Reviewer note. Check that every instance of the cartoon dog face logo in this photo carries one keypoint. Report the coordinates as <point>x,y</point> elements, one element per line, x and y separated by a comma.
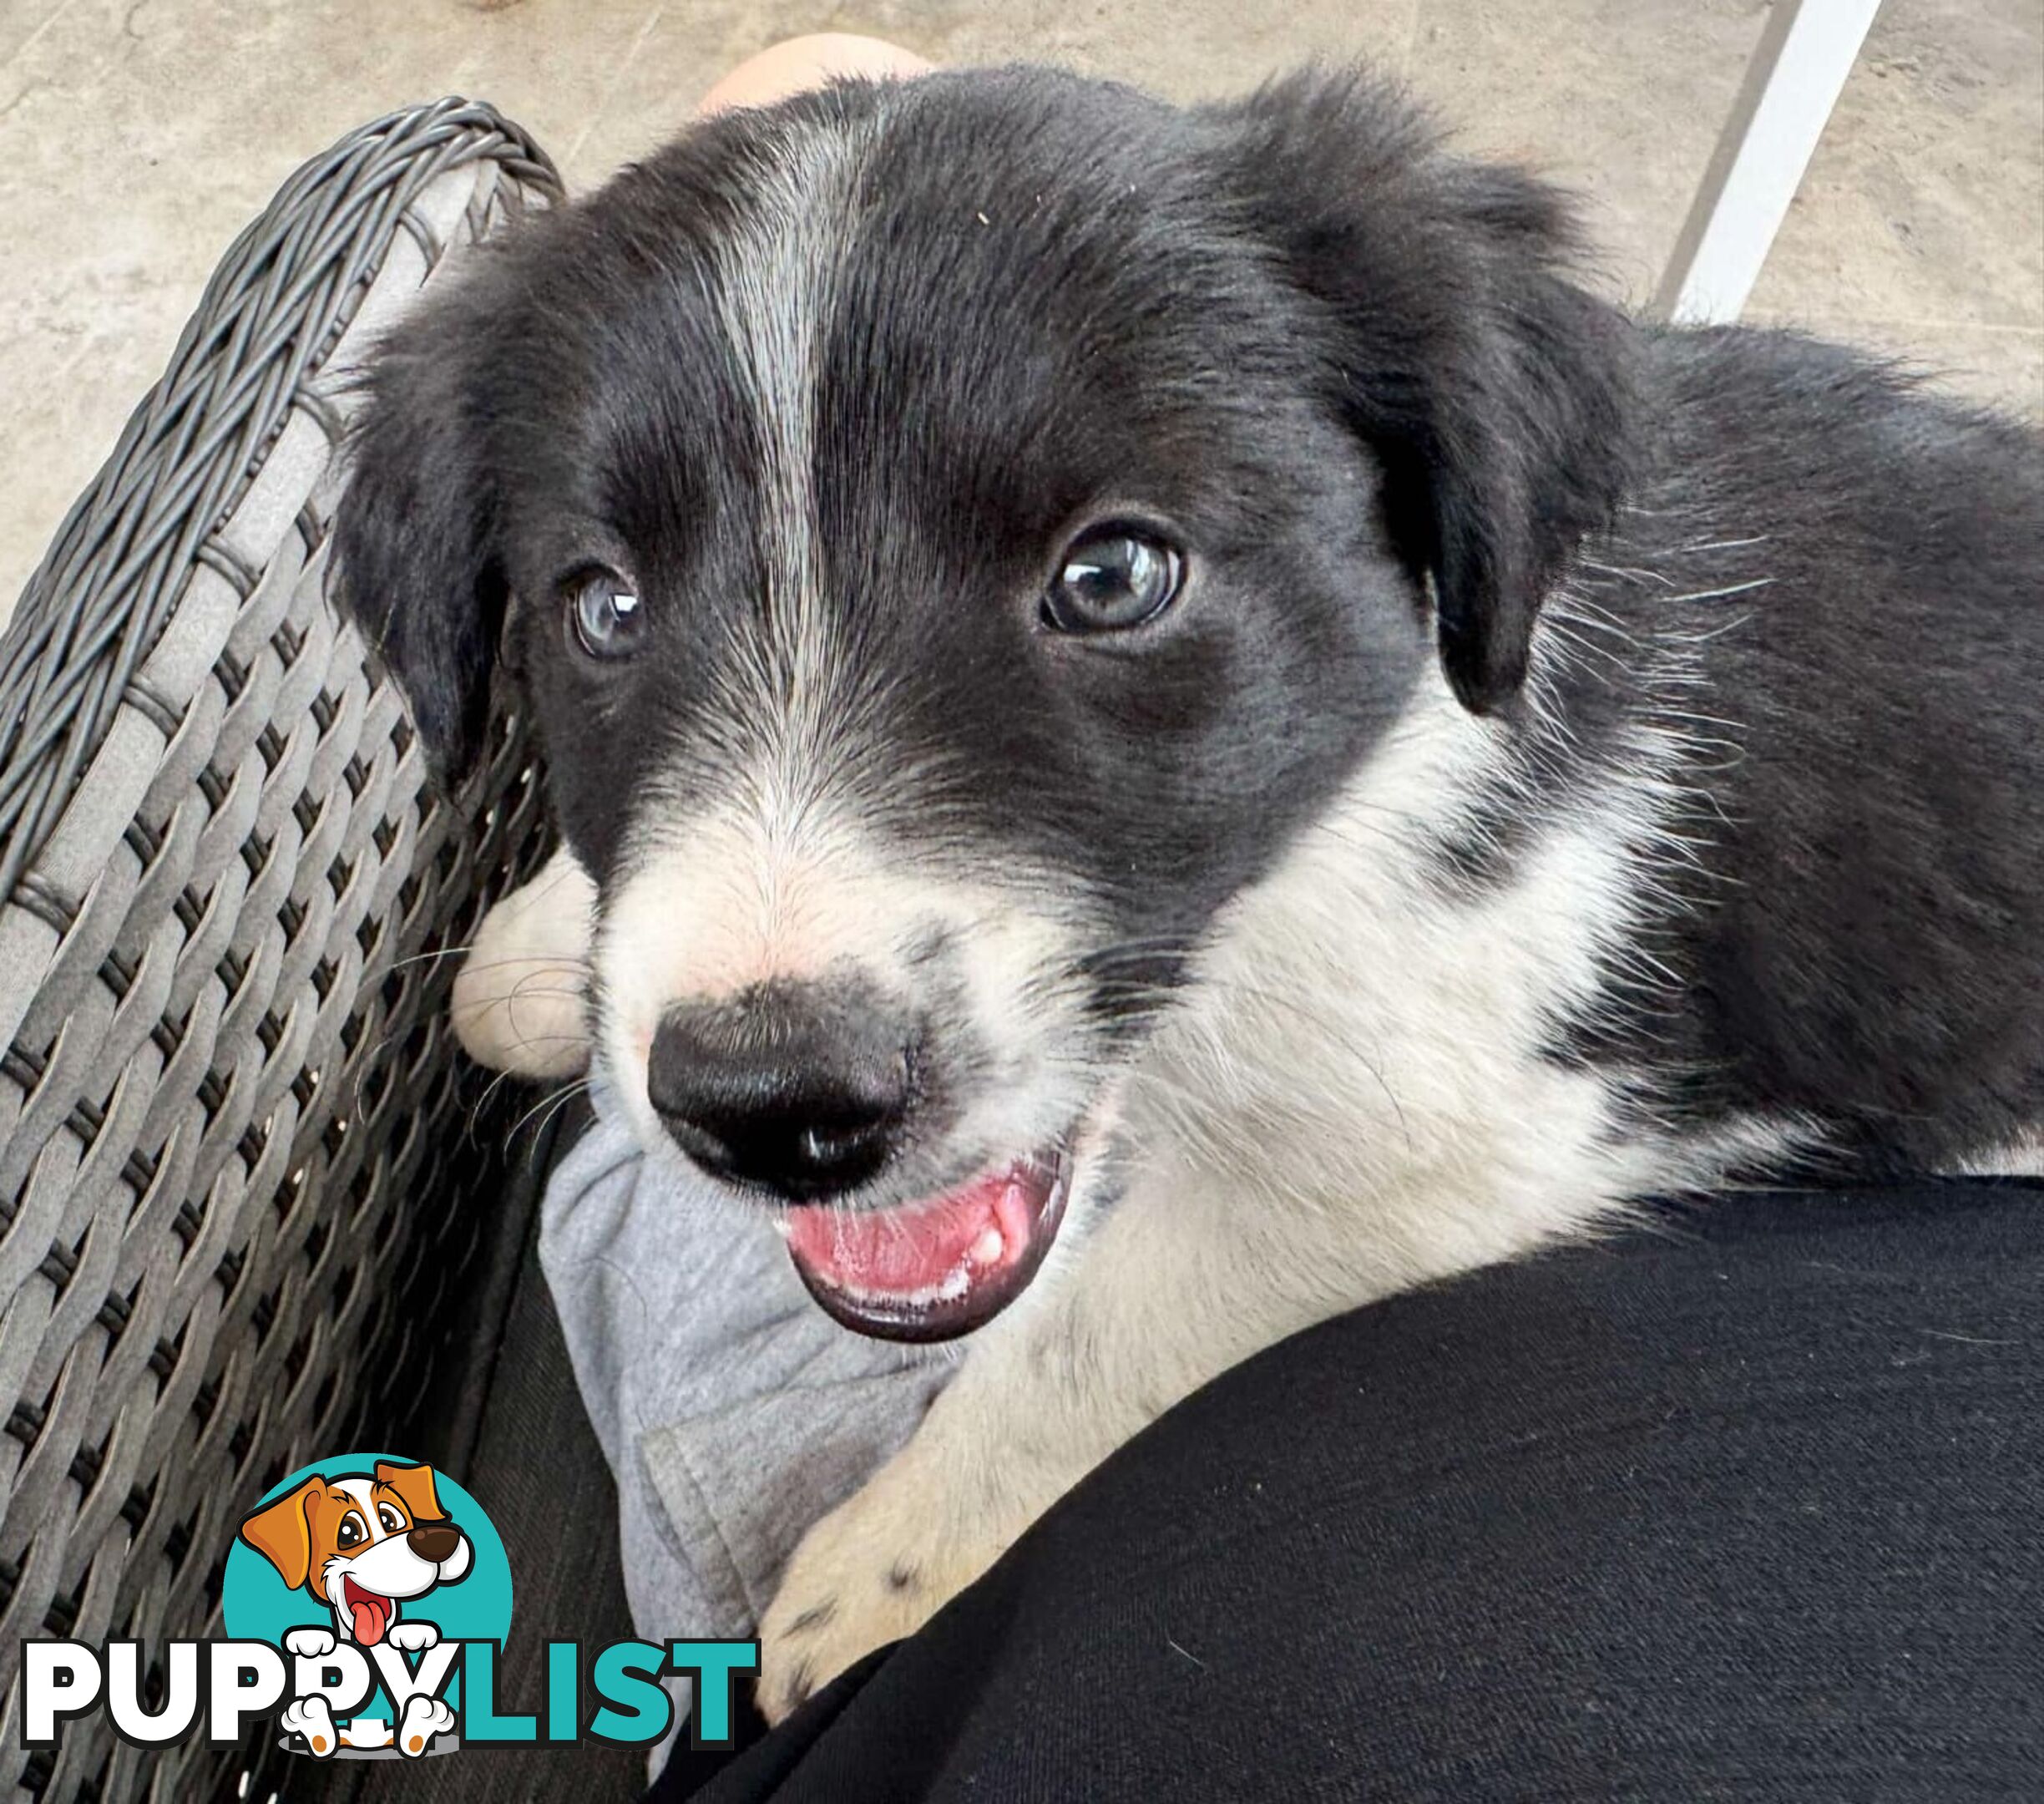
<point>362,1544</point>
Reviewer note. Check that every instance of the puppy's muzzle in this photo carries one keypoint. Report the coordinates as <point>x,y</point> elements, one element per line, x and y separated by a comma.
<point>802,1090</point>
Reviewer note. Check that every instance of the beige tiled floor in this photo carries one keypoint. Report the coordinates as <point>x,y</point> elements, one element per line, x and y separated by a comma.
<point>137,135</point>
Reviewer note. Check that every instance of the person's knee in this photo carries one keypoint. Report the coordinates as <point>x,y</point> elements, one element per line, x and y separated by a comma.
<point>799,63</point>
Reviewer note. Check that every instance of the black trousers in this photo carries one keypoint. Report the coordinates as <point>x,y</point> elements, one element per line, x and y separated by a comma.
<point>1746,1505</point>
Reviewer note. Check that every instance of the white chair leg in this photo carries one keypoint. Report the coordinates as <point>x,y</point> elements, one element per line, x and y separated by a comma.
<point>1806,50</point>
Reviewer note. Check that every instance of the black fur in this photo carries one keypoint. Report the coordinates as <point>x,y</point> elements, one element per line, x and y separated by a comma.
<point>1355,374</point>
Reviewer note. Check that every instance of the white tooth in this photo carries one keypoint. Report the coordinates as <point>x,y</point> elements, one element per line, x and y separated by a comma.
<point>987,1248</point>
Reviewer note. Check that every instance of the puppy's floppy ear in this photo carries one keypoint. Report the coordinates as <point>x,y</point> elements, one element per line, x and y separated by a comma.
<point>414,1486</point>
<point>1494,390</point>
<point>416,535</point>
<point>282,1533</point>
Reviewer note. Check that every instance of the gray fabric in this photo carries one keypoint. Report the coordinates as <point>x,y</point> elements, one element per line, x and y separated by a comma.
<point>732,1411</point>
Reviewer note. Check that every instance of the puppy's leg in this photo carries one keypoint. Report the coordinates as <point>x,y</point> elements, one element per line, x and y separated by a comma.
<point>310,1718</point>
<point>521,1000</point>
<point>1171,1288</point>
<point>424,1718</point>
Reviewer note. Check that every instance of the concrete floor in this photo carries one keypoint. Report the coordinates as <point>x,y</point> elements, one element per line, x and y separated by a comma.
<point>136,136</point>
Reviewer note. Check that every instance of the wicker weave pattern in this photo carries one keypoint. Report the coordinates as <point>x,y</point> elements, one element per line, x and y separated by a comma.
<point>227,1079</point>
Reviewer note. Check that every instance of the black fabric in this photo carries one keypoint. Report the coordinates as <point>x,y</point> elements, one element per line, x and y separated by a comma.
<point>1745,1507</point>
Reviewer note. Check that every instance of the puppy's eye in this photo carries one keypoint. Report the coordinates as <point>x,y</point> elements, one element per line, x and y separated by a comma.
<point>351,1533</point>
<point>390,1520</point>
<point>605,615</point>
<point>1112,578</point>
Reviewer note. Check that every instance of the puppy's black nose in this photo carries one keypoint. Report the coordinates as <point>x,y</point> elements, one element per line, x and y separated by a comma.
<point>800,1089</point>
<point>434,1541</point>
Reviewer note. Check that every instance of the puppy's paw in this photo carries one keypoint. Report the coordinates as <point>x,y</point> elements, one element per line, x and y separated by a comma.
<point>413,1637</point>
<point>521,998</point>
<point>424,1718</point>
<point>310,1718</point>
<point>869,1573</point>
<point>309,1643</point>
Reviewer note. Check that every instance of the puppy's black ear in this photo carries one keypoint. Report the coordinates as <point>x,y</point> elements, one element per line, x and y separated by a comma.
<point>416,544</point>
<point>1494,390</point>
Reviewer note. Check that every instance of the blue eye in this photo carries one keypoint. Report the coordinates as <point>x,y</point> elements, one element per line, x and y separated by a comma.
<point>605,614</point>
<point>1113,578</point>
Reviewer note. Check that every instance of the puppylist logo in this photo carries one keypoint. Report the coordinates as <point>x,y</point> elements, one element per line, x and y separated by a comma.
<point>366,1601</point>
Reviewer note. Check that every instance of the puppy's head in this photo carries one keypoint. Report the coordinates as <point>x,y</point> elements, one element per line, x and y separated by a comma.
<point>952,535</point>
<point>362,1544</point>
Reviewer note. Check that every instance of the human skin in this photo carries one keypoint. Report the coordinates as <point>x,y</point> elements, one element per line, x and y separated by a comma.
<point>799,63</point>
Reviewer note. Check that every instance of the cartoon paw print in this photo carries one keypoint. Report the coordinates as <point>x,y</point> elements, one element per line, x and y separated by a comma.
<point>424,1718</point>
<point>309,1643</point>
<point>413,1637</point>
<point>310,1718</point>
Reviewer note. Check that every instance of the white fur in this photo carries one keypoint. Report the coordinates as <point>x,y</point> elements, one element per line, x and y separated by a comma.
<point>2022,1157</point>
<point>521,998</point>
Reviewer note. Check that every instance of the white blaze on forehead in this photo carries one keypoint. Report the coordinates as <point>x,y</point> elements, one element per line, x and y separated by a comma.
<point>363,1493</point>
<point>776,288</point>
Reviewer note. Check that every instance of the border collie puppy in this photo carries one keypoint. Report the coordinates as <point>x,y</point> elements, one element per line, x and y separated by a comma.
<point>1172,729</point>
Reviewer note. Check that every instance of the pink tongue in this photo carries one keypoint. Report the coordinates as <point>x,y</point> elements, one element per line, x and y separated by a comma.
<point>918,1245</point>
<point>369,1619</point>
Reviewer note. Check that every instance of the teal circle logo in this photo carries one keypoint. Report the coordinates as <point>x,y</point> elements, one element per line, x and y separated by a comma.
<point>373,1551</point>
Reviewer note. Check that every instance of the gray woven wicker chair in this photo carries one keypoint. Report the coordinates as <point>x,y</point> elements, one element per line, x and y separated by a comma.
<point>253,1210</point>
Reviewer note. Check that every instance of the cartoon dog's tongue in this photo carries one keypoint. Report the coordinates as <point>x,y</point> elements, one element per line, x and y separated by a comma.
<point>933,1268</point>
<point>372,1613</point>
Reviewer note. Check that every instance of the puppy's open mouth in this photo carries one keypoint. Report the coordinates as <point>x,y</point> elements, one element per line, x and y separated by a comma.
<point>938,1267</point>
<point>370,1612</point>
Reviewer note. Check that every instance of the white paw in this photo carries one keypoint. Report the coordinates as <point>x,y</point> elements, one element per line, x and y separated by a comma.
<point>424,1718</point>
<point>413,1637</point>
<point>309,1643</point>
<point>871,1572</point>
<point>310,1718</point>
<point>521,996</point>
